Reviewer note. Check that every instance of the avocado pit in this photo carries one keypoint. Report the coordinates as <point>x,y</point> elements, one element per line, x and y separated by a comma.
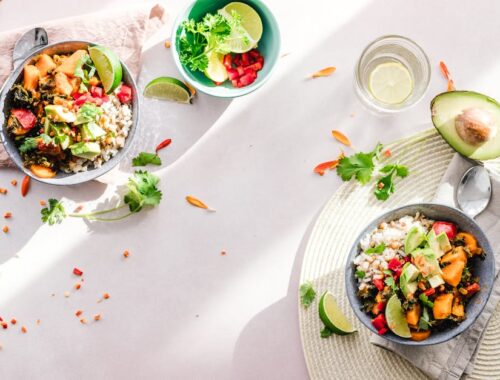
<point>475,126</point>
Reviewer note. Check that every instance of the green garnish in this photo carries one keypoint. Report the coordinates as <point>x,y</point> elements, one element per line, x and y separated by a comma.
<point>426,301</point>
<point>31,143</point>
<point>307,294</point>
<point>378,249</point>
<point>389,281</point>
<point>385,185</point>
<point>326,332</point>
<point>144,159</point>
<point>87,113</point>
<point>84,70</point>
<point>142,192</point>
<point>360,274</point>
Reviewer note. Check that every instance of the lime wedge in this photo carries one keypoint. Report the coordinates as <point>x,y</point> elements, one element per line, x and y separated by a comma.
<point>332,316</point>
<point>108,67</point>
<point>216,70</point>
<point>391,83</point>
<point>396,319</point>
<point>166,88</point>
<point>245,37</point>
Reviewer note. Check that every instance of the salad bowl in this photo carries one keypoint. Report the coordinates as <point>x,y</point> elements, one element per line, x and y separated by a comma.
<point>269,47</point>
<point>483,269</point>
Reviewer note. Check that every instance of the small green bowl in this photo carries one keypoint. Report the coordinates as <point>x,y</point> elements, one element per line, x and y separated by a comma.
<point>269,46</point>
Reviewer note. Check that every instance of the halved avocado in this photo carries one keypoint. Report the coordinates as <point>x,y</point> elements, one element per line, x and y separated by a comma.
<point>469,122</point>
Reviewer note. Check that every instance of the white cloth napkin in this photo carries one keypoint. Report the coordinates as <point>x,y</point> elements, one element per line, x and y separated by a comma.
<point>452,359</point>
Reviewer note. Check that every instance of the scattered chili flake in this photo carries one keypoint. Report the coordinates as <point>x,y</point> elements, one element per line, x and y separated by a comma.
<point>126,253</point>
<point>78,286</point>
<point>387,153</point>
<point>13,321</point>
<point>24,329</point>
<point>83,321</point>
<point>380,185</point>
<point>4,325</point>
<point>163,144</point>
<point>1,319</point>
<point>78,313</point>
<point>329,165</point>
<point>7,215</point>
<point>77,272</point>
<point>14,182</point>
<point>25,186</point>
<point>97,317</point>
<point>192,90</point>
<point>66,294</point>
<point>105,296</point>
<point>38,322</point>
<point>5,229</point>
<point>168,44</point>
<point>446,74</point>
<point>3,190</point>
<point>223,253</point>
<point>197,203</point>
<point>340,137</point>
<point>42,203</point>
<point>78,209</point>
<point>326,72</point>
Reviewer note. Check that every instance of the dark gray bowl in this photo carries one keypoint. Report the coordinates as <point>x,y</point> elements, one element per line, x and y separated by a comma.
<point>484,269</point>
<point>61,177</point>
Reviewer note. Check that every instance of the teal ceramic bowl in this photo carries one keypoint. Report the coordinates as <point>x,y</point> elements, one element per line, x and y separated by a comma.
<point>269,46</point>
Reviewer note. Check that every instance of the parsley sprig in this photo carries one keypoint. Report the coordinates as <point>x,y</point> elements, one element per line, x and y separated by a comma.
<point>364,166</point>
<point>143,191</point>
<point>307,294</point>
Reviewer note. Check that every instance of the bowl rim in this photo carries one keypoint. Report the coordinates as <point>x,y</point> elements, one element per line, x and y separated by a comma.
<point>181,16</point>
<point>72,178</point>
<point>352,297</point>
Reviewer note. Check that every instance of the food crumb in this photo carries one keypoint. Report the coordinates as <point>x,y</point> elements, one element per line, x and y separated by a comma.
<point>105,296</point>
<point>223,253</point>
<point>78,313</point>
<point>352,114</point>
<point>13,321</point>
<point>14,182</point>
<point>66,294</point>
<point>7,215</point>
<point>3,190</point>
<point>168,44</point>
<point>78,209</point>
<point>97,317</point>
<point>42,202</point>
<point>83,321</point>
<point>24,329</point>
<point>4,325</point>
<point>5,229</point>
<point>78,286</point>
<point>38,322</point>
<point>77,272</point>
<point>126,253</point>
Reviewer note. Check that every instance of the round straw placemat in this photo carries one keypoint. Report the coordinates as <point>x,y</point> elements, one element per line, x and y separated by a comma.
<point>342,219</point>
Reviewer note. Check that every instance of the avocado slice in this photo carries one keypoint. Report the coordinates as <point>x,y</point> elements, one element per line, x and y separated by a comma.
<point>435,280</point>
<point>91,131</point>
<point>58,113</point>
<point>408,279</point>
<point>426,262</point>
<point>414,238</point>
<point>439,244</point>
<point>86,150</point>
<point>469,122</point>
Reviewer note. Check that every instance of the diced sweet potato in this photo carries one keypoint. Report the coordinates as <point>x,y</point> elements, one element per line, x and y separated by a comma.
<point>458,308</point>
<point>94,81</point>
<point>42,171</point>
<point>75,82</point>
<point>31,77</point>
<point>418,336</point>
<point>442,306</point>
<point>63,85</point>
<point>45,64</point>
<point>68,66</point>
<point>452,273</point>
<point>458,254</point>
<point>469,240</point>
<point>413,315</point>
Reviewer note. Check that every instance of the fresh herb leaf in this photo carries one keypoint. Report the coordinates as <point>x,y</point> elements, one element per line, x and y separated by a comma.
<point>426,301</point>
<point>385,185</point>
<point>142,191</point>
<point>53,213</point>
<point>144,159</point>
<point>87,113</point>
<point>360,274</point>
<point>31,143</point>
<point>326,332</point>
<point>359,165</point>
<point>424,322</point>
<point>389,281</point>
<point>84,70</point>
<point>307,294</point>
<point>378,249</point>
<point>402,171</point>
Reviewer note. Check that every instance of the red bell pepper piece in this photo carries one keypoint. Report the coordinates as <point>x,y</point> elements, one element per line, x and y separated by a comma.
<point>125,94</point>
<point>379,284</point>
<point>96,92</point>
<point>77,272</point>
<point>25,117</point>
<point>430,292</point>
<point>228,61</point>
<point>380,324</point>
<point>449,229</point>
<point>473,289</point>
<point>394,264</point>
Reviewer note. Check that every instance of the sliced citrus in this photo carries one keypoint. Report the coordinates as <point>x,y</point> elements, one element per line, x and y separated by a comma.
<point>166,88</point>
<point>332,316</point>
<point>108,67</point>
<point>247,35</point>
<point>391,83</point>
<point>216,70</point>
<point>396,318</point>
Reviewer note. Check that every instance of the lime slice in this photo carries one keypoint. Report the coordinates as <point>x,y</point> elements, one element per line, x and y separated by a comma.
<point>108,67</point>
<point>216,70</point>
<point>396,319</point>
<point>166,88</point>
<point>391,83</point>
<point>332,316</point>
<point>245,37</point>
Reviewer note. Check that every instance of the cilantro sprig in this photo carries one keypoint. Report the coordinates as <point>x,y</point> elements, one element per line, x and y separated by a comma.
<point>145,158</point>
<point>143,191</point>
<point>307,294</point>
<point>364,166</point>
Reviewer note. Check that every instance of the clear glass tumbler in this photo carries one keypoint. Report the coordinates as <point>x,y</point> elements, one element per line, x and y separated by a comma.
<point>397,49</point>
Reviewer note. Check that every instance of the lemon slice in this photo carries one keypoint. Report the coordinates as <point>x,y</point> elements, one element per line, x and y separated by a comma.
<point>247,36</point>
<point>216,70</point>
<point>391,83</point>
<point>332,316</point>
<point>396,319</point>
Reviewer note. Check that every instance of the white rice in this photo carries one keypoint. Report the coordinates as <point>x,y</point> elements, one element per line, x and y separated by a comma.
<point>116,120</point>
<point>393,235</point>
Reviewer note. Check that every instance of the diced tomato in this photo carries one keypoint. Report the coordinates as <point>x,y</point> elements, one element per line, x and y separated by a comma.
<point>235,83</point>
<point>473,289</point>
<point>245,59</point>
<point>449,229</point>
<point>394,264</point>
<point>232,73</point>
<point>237,60</point>
<point>407,259</point>
<point>380,324</point>
<point>379,284</point>
<point>381,306</point>
<point>96,92</point>
<point>254,53</point>
<point>240,70</point>
<point>125,94</point>
<point>25,117</point>
<point>228,61</point>
<point>397,273</point>
<point>247,79</point>
<point>257,66</point>
<point>77,272</point>
<point>430,292</point>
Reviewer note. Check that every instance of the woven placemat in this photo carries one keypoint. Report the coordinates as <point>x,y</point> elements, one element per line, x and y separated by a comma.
<point>342,219</point>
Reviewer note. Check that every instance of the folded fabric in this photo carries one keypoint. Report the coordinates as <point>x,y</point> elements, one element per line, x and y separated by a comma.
<point>452,359</point>
<point>124,31</point>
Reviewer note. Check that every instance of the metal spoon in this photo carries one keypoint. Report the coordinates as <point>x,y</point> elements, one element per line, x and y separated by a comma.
<point>474,191</point>
<point>27,43</point>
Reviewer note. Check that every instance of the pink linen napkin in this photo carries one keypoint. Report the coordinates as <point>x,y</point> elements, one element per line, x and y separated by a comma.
<point>124,31</point>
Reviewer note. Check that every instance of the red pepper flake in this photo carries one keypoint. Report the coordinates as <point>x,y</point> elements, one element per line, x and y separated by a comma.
<point>3,190</point>
<point>105,296</point>
<point>42,203</point>
<point>78,286</point>
<point>380,185</point>
<point>13,321</point>
<point>126,253</point>
<point>163,144</point>
<point>446,74</point>
<point>387,153</point>
<point>329,165</point>
<point>25,185</point>
<point>4,325</point>
<point>77,272</point>
<point>24,329</point>
<point>78,313</point>
<point>5,229</point>
<point>97,317</point>
<point>7,215</point>
<point>78,209</point>
<point>13,182</point>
